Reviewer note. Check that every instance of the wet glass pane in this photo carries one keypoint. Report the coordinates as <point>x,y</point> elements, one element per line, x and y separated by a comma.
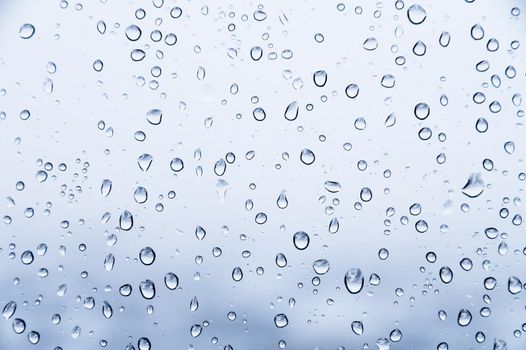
<point>274,175</point>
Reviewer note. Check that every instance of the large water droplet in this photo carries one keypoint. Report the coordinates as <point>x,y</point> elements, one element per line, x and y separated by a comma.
<point>307,156</point>
<point>126,220</point>
<point>26,31</point>
<point>301,240</point>
<point>281,320</point>
<point>154,116</point>
<point>354,280</point>
<point>291,112</point>
<point>147,289</point>
<point>133,32</point>
<point>321,266</point>
<point>416,14</point>
<point>147,256</point>
<point>464,318</point>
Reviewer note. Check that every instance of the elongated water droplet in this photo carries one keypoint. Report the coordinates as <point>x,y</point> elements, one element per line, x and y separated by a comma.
<point>109,262</point>
<point>126,220</point>
<point>292,110</point>
<point>320,78</point>
<point>200,233</point>
<point>9,310</point>
<point>237,274</point>
<point>354,280</point>
<point>446,275</point>
<point>334,225</point>
<point>282,201</point>
<point>220,167</point>
<point>171,281</point>
<point>107,311</point>
<point>105,188</point>
<point>147,289</point>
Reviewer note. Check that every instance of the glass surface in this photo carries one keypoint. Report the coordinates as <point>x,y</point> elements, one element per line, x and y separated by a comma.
<point>275,175</point>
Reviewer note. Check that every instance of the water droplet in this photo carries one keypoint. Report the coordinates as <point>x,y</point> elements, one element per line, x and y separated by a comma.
<point>105,188</point>
<point>282,201</point>
<point>357,327</point>
<point>291,112</point>
<point>332,186</point>
<point>9,310</point>
<point>370,44</point>
<point>320,78</point>
<point>256,53</point>
<point>177,164</point>
<point>464,318</point>
<point>107,311</point>
<point>144,161</point>
<point>27,257</point>
<point>474,187</point>
<point>352,90</point>
<point>354,280</point>
<point>26,31</point>
<point>154,116</point>
<point>140,195</point>
<point>200,233</point>
<point>388,81</point>
<point>259,114</point>
<point>321,266</point>
<point>422,111</point>
<point>307,156</point>
<point>237,274</point>
<point>33,337</point>
<point>260,15</point>
<point>514,285</point>
<point>126,220</point>
<point>281,320</point>
<point>416,14</point>
<point>281,260</point>
<point>301,240</point>
<point>19,326</point>
<point>147,256</point>
<point>366,194</point>
<point>133,32</point>
<point>196,330</point>
<point>147,289</point>
<point>144,344</point>
<point>171,281</point>
<point>446,275</point>
<point>137,55</point>
<point>477,32</point>
<point>220,167</point>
